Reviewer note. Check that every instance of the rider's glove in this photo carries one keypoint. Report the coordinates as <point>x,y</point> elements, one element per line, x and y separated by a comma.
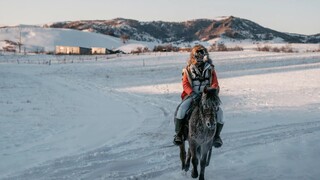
<point>195,96</point>
<point>211,90</point>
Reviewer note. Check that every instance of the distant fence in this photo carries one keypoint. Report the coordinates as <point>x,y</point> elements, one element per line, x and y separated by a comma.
<point>54,59</point>
<point>67,59</point>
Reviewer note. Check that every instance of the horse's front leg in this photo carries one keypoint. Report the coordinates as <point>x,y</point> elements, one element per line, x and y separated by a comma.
<point>209,156</point>
<point>183,156</point>
<point>188,160</point>
<point>194,160</point>
<point>203,164</point>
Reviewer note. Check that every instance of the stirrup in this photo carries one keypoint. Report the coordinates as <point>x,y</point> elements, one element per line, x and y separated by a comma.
<point>217,142</point>
<point>177,140</point>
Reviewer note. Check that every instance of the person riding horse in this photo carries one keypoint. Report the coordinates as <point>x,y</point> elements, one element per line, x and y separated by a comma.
<point>197,77</point>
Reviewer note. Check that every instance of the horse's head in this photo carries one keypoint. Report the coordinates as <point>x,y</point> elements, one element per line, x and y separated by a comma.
<point>209,105</point>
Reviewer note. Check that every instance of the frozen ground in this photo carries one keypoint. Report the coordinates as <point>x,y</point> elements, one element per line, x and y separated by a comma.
<point>112,118</point>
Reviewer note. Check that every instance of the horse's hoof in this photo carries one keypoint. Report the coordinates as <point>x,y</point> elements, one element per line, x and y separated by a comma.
<point>201,177</point>
<point>183,167</point>
<point>194,174</point>
<point>186,168</point>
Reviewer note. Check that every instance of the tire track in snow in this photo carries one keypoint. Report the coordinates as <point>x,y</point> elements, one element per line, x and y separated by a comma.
<point>269,135</point>
<point>243,140</point>
<point>105,163</point>
<point>69,165</point>
<point>143,156</point>
<point>116,161</point>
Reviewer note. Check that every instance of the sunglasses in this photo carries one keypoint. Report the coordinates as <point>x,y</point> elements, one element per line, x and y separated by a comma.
<point>200,54</point>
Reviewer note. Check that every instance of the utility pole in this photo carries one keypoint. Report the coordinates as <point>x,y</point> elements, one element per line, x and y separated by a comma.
<point>20,39</point>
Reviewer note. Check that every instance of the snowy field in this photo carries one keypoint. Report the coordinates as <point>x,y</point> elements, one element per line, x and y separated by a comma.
<point>112,118</point>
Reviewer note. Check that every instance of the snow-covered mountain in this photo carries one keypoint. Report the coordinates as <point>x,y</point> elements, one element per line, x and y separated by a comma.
<point>110,34</point>
<point>35,38</point>
<point>199,29</point>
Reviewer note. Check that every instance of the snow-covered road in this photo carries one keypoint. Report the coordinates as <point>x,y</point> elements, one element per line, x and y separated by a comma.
<point>112,119</point>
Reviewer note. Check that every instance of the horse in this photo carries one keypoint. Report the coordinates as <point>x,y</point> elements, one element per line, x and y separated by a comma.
<point>200,132</point>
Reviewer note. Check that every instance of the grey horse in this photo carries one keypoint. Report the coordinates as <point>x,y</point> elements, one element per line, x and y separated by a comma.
<point>201,130</point>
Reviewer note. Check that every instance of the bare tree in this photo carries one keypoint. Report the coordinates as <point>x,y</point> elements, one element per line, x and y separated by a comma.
<point>124,38</point>
<point>145,49</point>
<point>213,47</point>
<point>222,47</point>
<point>20,39</point>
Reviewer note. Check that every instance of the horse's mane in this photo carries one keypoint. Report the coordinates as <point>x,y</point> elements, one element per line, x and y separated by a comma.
<point>210,100</point>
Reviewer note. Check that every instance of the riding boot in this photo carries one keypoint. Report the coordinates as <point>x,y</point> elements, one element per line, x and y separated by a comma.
<point>217,141</point>
<point>179,131</point>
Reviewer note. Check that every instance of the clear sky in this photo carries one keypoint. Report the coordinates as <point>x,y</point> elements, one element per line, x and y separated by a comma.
<point>296,16</point>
